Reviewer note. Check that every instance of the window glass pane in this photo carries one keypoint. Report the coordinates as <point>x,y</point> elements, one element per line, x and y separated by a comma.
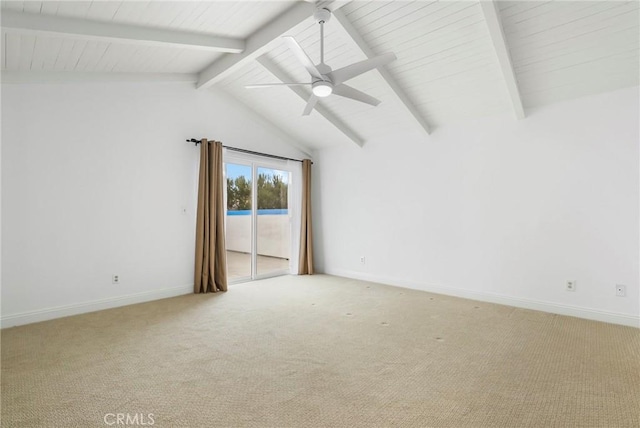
<point>273,230</point>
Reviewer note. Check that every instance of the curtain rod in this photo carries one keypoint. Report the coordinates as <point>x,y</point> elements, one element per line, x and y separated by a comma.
<point>236,149</point>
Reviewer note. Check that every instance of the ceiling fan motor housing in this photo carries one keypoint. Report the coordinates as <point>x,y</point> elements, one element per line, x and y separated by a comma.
<point>324,69</point>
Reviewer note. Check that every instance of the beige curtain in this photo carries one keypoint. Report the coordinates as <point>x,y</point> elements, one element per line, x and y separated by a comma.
<point>211,257</point>
<point>305,266</point>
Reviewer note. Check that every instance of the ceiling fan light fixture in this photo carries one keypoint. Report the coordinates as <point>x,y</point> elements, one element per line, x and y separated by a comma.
<point>322,89</point>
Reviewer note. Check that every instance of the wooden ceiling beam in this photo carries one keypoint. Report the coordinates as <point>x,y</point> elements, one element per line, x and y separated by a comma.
<point>30,23</point>
<point>257,44</point>
<point>351,35</point>
<point>90,76</point>
<point>492,19</point>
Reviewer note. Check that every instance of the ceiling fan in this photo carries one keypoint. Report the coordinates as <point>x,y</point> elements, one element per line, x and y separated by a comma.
<point>324,80</point>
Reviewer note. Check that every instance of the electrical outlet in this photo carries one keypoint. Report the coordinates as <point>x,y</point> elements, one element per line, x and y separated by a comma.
<point>115,279</point>
<point>571,285</point>
<point>621,290</point>
<point>362,260</point>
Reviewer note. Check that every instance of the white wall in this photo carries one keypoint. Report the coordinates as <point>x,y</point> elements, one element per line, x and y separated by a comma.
<point>497,209</point>
<point>94,181</point>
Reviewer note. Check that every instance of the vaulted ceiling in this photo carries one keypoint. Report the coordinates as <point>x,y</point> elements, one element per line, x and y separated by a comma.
<point>456,60</point>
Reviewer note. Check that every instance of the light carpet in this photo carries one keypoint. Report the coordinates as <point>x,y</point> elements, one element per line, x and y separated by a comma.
<point>321,351</point>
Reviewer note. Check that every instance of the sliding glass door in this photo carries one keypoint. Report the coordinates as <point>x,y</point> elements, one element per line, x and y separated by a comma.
<point>273,229</point>
<point>258,224</point>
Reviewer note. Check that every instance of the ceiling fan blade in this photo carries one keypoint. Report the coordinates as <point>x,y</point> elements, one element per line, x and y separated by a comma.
<point>349,72</point>
<point>269,85</point>
<point>302,56</point>
<point>313,100</point>
<point>349,92</point>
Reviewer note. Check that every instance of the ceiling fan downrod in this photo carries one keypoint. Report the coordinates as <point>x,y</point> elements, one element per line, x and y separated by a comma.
<point>322,15</point>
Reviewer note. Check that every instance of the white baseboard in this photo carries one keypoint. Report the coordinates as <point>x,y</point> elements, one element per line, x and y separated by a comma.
<point>96,305</point>
<point>113,302</point>
<point>554,308</point>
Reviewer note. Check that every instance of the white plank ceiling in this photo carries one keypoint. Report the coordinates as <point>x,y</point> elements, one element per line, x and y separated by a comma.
<point>564,50</point>
<point>29,52</point>
<point>448,68</point>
